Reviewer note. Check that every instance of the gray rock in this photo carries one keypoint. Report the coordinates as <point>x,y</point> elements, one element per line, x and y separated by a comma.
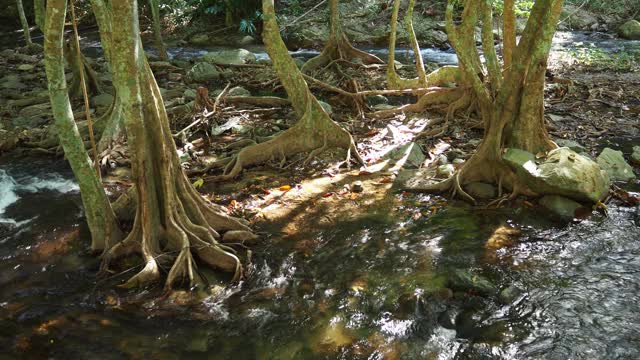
<point>446,171</point>
<point>12,81</point>
<point>199,39</point>
<point>613,163</point>
<point>247,40</point>
<point>465,280</point>
<point>509,294</point>
<point>102,100</point>
<point>630,30</point>
<point>202,72</point>
<point>383,107</point>
<point>29,122</point>
<point>26,67</point>
<point>458,161</point>
<point>443,160</point>
<point>561,206</point>
<point>573,145</point>
<point>326,107</point>
<point>564,172</point>
<point>230,57</point>
<point>239,91</point>
<point>190,94</point>
<point>635,156</point>
<point>578,18</point>
<point>41,110</point>
<point>480,190</point>
<point>374,100</point>
<point>409,155</point>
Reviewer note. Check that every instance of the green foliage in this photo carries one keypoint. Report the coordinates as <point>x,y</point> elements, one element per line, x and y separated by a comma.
<point>593,58</point>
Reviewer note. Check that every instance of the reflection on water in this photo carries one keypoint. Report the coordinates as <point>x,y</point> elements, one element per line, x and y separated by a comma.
<point>464,283</point>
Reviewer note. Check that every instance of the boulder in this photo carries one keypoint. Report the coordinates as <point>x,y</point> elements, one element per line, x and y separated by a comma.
<point>573,145</point>
<point>563,172</point>
<point>11,81</point>
<point>230,57</point>
<point>409,155</point>
<point>630,30</point>
<point>465,280</point>
<point>446,170</point>
<point>202,72</point>
<point>326,107</point>
<point>578,18</point>
<point>190,94</point>
<point>102,100</point>
<point>247,40</point>
<point>26,67</point>
<point>560,206</point>
<point>480,190</point>
<point>239,91</point>
<point>635,156</point>
<point>199,39</point>
<point>613,163</point>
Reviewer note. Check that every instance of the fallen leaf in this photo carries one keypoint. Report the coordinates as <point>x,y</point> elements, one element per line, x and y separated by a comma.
<point>198,183</point>
<point>364,173</point>
<point>326,195</point>
<point>386,180</point>
<point>285,188</point>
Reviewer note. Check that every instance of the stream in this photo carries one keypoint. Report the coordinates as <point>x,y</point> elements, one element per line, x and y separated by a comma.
<point>385,286</point>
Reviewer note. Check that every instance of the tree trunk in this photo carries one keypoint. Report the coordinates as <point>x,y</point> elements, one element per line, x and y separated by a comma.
<point>100,217</point>
<point>39,12</point>
<point>338,45</point>
<point>509,32</point>
<point>24,22</point>
<point>91,78</point>
<point>394,81</point>
<point>157,29</point>
<point>228,13</point>
<point>173,222</point>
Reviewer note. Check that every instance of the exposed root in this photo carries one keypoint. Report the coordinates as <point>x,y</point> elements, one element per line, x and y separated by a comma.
<point>339,48</point>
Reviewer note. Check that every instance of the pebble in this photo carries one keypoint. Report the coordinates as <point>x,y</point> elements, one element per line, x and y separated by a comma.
<point>357,187</point>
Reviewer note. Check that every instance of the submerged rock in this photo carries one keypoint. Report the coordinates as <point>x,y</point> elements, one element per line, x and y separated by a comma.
<point>203,72</point>
<point>630,30</point>
<point>564,172</point>
<point>465,280</point>
<point>561,206</point>
<point>613,163</point>
<point>230,57</point>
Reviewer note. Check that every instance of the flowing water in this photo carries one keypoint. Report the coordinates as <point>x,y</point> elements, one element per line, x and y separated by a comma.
<point>444,286</point>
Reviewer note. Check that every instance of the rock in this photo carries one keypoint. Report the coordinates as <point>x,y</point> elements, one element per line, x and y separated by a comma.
<point>397,64</point>
<point>561,206</point>
<point>409,155</point>
<point>8,140</point>
<point>443,160</point>
<point>446,171</point>
<point>300,62</point>
<point>240,236</point>
<point>383,107</point>
<point>26,67</point>
<point>190,94</point>
<point>202,72</point>
<point>458,161</point>
<point>480,190</point>
<point>635,156</point>
<point>247,40</point>
<point>264,61</point>
<point>578,18</point>
<point>41,110</point>
<point>12,81</point>
<point>393,134</point>
<point>102,100</point>
<point>357,187</point>
<point>573,145</point>
<point>374,100</point>
<point>630,30</point>
<point>29,122</point>
<point>509,294</point>
<point>326,107</point>
<point>614,164</point>
<point>199,39</point>
<point>563,172</point>
<point>230,57</point>
<point>465,280</point>
<point>239,91</point>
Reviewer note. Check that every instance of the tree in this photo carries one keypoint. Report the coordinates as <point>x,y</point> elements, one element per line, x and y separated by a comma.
<point>338,45</point>
<point>24,22</point>
<point>314,132</point>
<point>394,81</point>
<point>101,219</point>
<point>173,222</point>
<point>157,29</point>
<point>510,100</point>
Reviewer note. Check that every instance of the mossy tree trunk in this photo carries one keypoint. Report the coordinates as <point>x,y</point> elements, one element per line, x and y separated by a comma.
<point>94,87</point>
<point>173,223</point>
<point>39,12</point>
<point>509,32</point>
<point>157,29</point>
<point>338,45</point>
<point>394,81</point>
<point>314,132</point>
<point>24,22</point>
<point>102,222</point>
<point>511,104</point>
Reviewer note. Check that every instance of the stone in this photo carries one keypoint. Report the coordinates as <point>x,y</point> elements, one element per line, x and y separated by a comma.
<point>443,160</point>
<point>202,72</point>
<point>563,172</point>
<point>26,67</point>
<point>230,57</point>
<point>199,39</point>
<point>190,94</point>
<point>509,294</point>
<point>374,100</point>
<point>239,91</point>
<point>408,156</point>
<point>357,187</point>
<point>102,100</point>
<point>573,145</point>
<point>635,156</point>
<point>12,81</point>
<point>465,280</point>
<point>300,62</point>
<point>480,190</point>
<point>247,40</point>
<point>613,163</point>
<point>264,61</point>
<point>446,171</point>
<point>326,107</point>
<point>383,107</point>
<point>458,161</point>
<point>36,110</point>
<point>561,206</point>
<point>29,122</point>
<point>630,30</point>
<point>578,18</point>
